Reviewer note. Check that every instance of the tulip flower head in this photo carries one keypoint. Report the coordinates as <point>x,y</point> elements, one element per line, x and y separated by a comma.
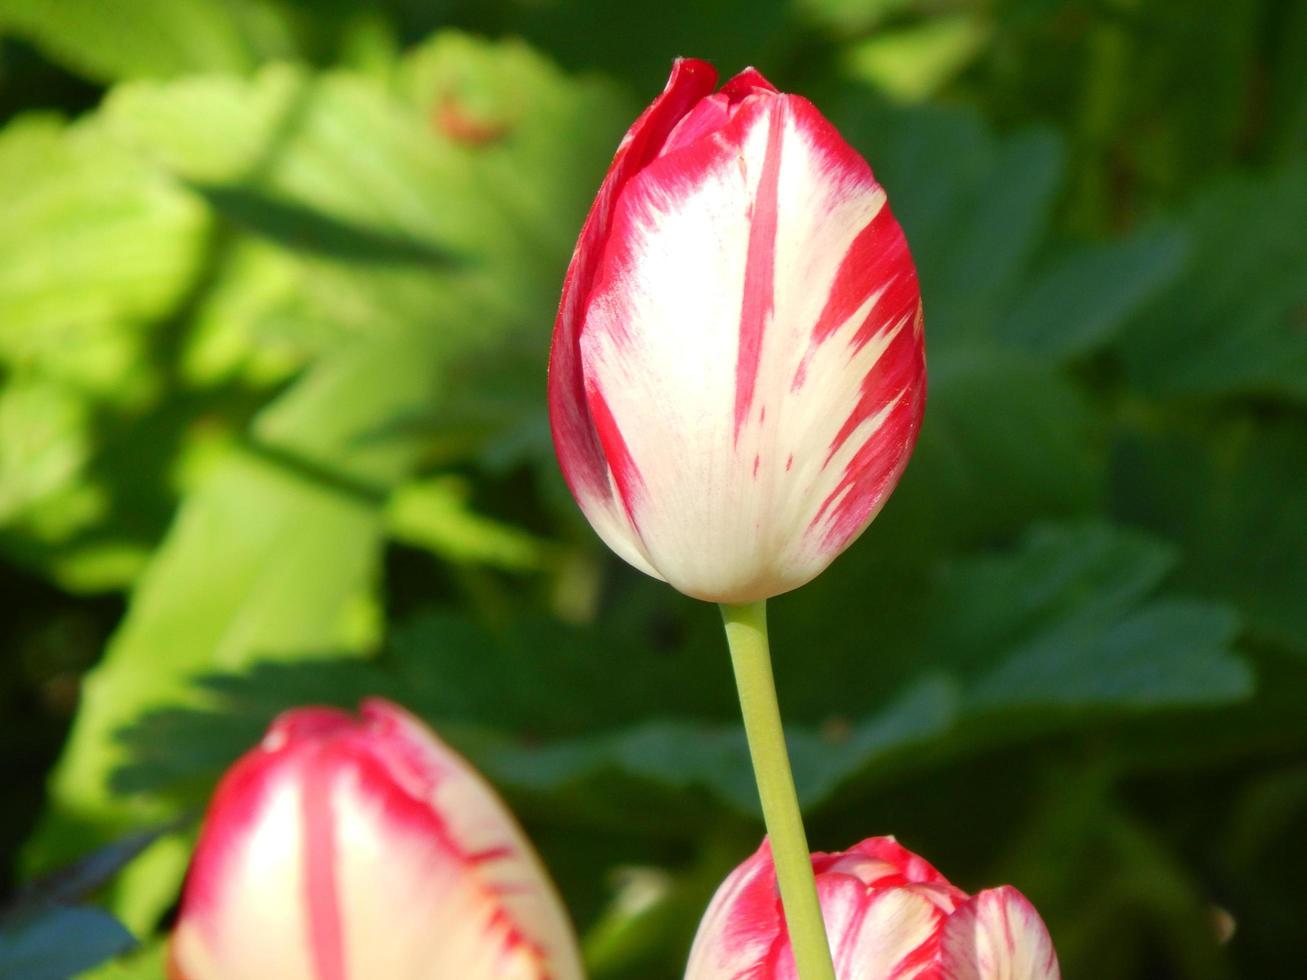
<point>889,916</point>
<point>737,376</point>
<point>359,849</point>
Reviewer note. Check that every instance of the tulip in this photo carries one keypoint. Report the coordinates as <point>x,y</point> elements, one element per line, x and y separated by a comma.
<point>361,849</point>
<point>737,375</point>
<point>890,916</point>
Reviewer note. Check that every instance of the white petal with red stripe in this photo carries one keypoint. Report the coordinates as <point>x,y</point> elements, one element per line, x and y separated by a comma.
<point>579,454</point>
<point>997,935</point>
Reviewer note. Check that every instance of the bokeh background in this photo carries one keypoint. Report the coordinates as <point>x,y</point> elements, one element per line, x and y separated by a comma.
<point>277,280</point>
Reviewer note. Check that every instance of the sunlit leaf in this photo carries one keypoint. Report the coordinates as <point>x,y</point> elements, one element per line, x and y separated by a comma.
<point>153,38</point>
<point>275,552</point>
<point>913,62</point>
<point>433,514</point>
<point>94,248</point>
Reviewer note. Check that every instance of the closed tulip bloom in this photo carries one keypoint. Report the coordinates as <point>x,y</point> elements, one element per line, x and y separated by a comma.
<point>362,849</point>
<point>738,373</point>
<point>889,916</point>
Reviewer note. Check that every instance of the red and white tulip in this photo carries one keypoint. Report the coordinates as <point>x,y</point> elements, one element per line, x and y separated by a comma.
<point>355,849</point>
<point>738,371</point>
<point>889,916</point>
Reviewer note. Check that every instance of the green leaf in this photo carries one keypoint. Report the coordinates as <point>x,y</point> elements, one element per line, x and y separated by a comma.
<point>1217,488</point>
<point>1065,622</point>
<point>59,943</point>
<point>914,62</point>
<point>44,444</point>
<point>1236,321</point>
<point>636,41</point>
<point>148,962</point>
<point>850,15</point>
<point>77,882</point>
<point>606,775</point>
<point>96,249</point>
<point>1175,652</point>
<point>1080,300</point>
<point>1058,632</point>
<point>433,514</point>
<point>1093,573</point>
<point>973,266</point>
<point>155,38</point>
<point>612,674</point>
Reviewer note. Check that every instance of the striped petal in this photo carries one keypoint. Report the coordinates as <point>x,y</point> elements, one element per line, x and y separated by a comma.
<point>579,455</point>
<point>751,352</point>
<point>740,928</point>
<point>893,935</point>
<point>997,935</point>
<point>346,850</point>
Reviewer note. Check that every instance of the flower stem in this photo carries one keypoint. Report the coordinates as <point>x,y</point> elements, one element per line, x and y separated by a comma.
<point>746,634</point>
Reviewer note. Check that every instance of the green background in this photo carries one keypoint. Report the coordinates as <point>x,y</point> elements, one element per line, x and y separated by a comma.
<point>277,280</point>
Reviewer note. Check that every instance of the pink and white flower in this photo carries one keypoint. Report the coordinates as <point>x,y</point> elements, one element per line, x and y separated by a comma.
<point>738,372</point>
<point>354,849</point>
<point>889,916</point>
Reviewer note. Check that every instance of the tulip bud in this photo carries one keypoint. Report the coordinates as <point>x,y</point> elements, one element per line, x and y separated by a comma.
<point>889,916</point>
<point>357,849</point>
<point>738,370</point>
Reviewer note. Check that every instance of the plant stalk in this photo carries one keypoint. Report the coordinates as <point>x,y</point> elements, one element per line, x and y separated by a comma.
<point>746,635</point>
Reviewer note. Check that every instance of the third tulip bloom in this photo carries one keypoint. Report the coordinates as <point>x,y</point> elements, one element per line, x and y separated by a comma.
<point>738,370</point>
<point>890,916</point>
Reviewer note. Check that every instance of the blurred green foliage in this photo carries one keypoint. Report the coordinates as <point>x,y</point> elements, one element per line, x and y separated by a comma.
<point>277,280</point>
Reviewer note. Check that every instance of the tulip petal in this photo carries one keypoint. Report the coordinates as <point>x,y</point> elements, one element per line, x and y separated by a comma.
<point>997,935</point>
<point>579,453</point>
<point>882,862</point>
<point>343,851</point>
<point>892,934</point>
<point>746,83</point>
<point>739,929</point>
<point>756,289</point>
<point>242,908</point>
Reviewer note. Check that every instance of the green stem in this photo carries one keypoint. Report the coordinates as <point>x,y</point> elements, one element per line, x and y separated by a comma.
<point>746,634</point>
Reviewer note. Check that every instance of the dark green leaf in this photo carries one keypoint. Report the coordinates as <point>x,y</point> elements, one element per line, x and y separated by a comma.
<point>1236,320</point>
<point>1078,301</point>
<point>1218,491</point>
<point>59,943</point>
